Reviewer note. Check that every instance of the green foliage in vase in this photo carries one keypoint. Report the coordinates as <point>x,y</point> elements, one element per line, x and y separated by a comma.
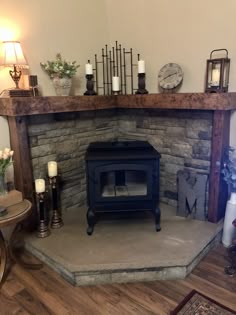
<point>5,159</point>
<point>229,167</point>
<point>60,68</point>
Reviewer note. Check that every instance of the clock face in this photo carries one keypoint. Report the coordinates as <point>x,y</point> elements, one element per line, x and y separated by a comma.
<point>170,76</point>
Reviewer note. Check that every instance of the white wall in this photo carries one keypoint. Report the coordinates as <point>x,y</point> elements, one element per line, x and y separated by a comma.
<point>183,31</point>
<point>75,28</point>
<point>162,31</point>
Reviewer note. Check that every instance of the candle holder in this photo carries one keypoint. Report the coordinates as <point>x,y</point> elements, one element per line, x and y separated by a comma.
<point>90,85</point>
<point>56,222</point>
<point>116,92</point>
<point>141,84</point>
<point>42,230</point>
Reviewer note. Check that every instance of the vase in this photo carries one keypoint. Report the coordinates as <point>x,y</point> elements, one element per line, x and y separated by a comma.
<point>3,186</point>
<point>62,86</point>
<point>230,215</point>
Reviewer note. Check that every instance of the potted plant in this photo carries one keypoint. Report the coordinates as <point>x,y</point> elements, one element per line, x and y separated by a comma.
<point>5,161</point>
<point>229,168</point>
<point>61,73</point>
<point>229,175</point>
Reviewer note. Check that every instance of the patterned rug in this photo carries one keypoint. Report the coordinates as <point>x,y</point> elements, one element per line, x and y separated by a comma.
<point>196,303</point>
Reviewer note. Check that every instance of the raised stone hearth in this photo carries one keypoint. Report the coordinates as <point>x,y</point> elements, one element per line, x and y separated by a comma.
<point>125,251</point>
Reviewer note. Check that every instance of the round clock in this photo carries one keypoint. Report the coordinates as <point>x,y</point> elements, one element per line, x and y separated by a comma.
<point>170,76</point>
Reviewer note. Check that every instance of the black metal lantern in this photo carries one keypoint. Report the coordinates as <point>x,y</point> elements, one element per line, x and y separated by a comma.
<point>217,73</point>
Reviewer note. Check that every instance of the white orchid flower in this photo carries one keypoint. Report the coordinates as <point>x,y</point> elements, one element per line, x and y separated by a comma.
<point>6,150</point>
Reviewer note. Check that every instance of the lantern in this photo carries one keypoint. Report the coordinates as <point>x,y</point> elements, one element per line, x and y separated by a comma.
<point>217,73</point>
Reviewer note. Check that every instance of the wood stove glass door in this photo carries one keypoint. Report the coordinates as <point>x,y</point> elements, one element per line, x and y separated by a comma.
<point>123,181</point>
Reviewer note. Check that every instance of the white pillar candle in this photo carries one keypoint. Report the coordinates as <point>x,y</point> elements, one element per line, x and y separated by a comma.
<point>52,168</point>
<point>88,68</point>
<point>115,84</point>
<point>141,66</point>
<point>39,185</point>
<point>215,80</point>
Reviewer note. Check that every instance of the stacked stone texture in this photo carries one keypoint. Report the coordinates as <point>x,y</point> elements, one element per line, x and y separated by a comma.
<point>182,137</point>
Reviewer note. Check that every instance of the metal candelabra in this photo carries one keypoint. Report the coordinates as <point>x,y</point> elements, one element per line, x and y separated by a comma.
<point>115,62</point>
<point>42,230</point>
<point>56,215</point>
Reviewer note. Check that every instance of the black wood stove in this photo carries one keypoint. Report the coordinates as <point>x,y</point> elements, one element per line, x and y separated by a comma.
<point>122,176</point>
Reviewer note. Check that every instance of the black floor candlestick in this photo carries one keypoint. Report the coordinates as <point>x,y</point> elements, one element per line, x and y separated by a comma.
<point>56,215</point>
<point>42,230</point>
<point>141,84</point>
<point>90,85</point>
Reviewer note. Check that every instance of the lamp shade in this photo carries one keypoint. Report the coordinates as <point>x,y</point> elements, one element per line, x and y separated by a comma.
<point>13,54</point>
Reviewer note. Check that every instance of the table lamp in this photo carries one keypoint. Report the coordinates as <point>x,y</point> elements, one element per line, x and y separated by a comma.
<point>13,56</point>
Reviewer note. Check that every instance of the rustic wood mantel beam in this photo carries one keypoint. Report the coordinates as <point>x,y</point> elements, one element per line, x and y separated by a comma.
<point>24,106</point>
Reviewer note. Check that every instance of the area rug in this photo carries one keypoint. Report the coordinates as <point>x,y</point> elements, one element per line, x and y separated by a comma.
<point>196,303</point>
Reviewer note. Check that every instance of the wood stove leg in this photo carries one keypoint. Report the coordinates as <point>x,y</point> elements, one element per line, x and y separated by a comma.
<point>157,214</point>
<point>91,219</point>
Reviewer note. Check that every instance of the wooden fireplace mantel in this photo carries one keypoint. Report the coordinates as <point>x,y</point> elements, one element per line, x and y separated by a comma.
<point>24,106</point>
<point>221,104</point>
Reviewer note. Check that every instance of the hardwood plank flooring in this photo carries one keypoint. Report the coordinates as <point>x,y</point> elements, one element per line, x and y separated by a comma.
<point>44,292</point>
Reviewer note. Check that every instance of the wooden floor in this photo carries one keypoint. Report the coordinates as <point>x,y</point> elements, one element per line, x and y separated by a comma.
<point>40,292</point>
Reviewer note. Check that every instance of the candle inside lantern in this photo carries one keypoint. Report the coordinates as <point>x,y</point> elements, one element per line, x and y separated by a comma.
<point>115,84</point>
<point>52,168</point>
<point>88,68</point>
<point>141,66</point>
<point>39,185</point>
<point>215,79</point>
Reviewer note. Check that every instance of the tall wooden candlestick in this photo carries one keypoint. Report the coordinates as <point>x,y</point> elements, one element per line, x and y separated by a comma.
<point>90,85</point>
<point>56,215</point>
<point>141,84</point>
<point>42,230</point>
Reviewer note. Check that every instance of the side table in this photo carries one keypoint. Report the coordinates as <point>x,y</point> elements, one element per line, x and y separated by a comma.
<point>14,217</point>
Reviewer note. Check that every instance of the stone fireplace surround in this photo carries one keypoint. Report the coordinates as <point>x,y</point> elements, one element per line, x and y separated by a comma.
<point>182,138</point>
<point>190,130</point>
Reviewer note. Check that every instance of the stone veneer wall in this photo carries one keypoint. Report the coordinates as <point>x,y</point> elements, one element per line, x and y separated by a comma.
<point>64,138</point>
<point>183,137</point>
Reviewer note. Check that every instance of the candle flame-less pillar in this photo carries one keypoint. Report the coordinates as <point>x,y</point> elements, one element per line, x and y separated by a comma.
<point>215,77</point>
<point>56,216</point>
<point>115,85</point>
<point>42,229</point>
<point>141,66</point>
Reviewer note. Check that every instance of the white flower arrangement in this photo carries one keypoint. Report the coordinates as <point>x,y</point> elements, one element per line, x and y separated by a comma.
<point>5,159</point>
<point>60,68</point>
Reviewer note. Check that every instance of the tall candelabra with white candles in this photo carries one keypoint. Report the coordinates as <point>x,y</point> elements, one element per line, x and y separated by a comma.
<point>56,221</point>
<point>42,229</point>
<point>114,73</point>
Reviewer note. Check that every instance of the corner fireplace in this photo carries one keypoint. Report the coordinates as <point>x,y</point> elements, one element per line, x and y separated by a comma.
<point>122,176</point>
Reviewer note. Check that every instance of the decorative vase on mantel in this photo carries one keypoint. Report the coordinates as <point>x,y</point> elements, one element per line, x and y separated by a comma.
<point>230,215</point>
<point>3,186</point>
<point>62,86</point>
